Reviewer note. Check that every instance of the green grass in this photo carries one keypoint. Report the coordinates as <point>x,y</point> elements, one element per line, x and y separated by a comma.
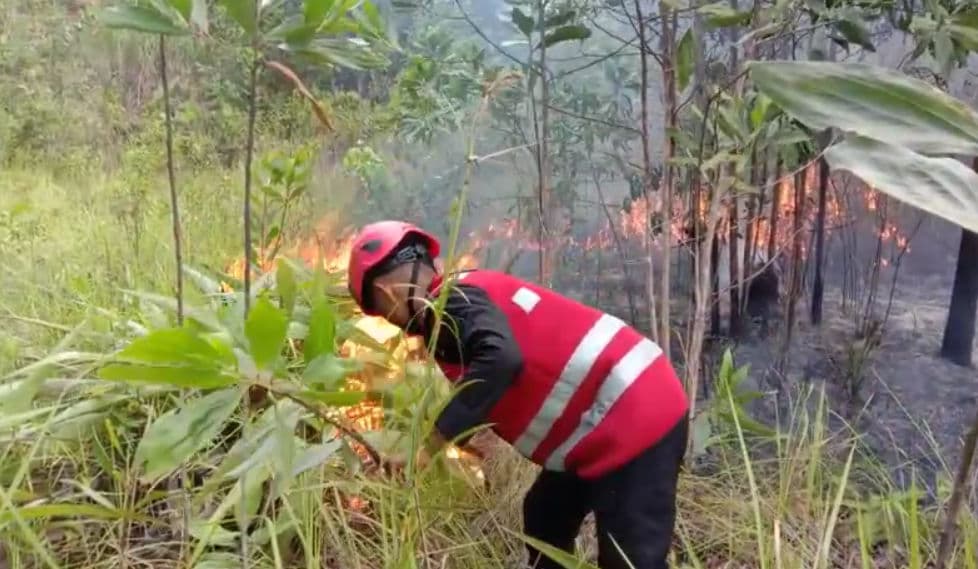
<point>72,496</point>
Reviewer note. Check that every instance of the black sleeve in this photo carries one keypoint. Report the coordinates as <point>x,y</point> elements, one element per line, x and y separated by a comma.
<point>475,333</point>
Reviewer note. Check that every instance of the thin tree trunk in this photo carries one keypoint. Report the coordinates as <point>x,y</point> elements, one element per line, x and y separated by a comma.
<point>647,169</point>
<point>959,331</point>
<point>668,19</point>
<point>249,156</point>
<point>172,178</point>
<point>543,161</point>
<point>772,238</point>
<point>618,245</point>
<point>960,489</point>
<point>749,228</point>
<point>715,320</point>
<point>735,273</point>
<point>818,286</point>
<point>796,264</point>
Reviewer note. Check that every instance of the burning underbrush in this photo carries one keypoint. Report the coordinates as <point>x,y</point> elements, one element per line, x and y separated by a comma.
<point>384,355</point>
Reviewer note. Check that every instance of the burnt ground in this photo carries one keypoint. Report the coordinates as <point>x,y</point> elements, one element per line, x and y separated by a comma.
<point>911,407</point>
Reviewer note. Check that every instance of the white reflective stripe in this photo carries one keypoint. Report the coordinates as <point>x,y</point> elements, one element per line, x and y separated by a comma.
<point>576,369</point>
<point>526,299</point>
<point>621,377</point>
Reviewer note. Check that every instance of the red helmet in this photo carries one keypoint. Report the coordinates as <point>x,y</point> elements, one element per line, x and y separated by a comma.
<point>374,243</point>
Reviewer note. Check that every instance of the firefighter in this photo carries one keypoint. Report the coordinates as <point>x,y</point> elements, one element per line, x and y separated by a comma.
<point>575,390</point>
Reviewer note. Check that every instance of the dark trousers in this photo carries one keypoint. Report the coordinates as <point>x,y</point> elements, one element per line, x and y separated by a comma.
<point>634,508</point>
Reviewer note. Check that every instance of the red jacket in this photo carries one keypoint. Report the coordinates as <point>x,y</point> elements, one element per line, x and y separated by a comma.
<point>590,393</point>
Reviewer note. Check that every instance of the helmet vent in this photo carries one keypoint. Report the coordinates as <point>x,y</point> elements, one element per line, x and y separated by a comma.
<point>372,245</point>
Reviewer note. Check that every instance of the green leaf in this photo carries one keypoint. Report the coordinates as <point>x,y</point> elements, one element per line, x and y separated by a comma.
<point>685,60</point>
<point>182,6</point>
<point>173,346</point>
<point>854,32</point>
<point>198,377</point>
<point>77,420</point>
<point>559,556</point>
<point>287,290</point>
<point>329,371</point>
<point>142,18</point>
<point>337,398</point>
<point>321,337</point>
<point>315,455</point>
<point>870,101</point>
<point>76,511</point>
<point>566,33</point>
<point>373,16</point>
<point>256,444</point>
<point>242,12</point>
<point>265,329</point>
<point>560,19</point>
<point>351,53</point>
<point>315,11</point>
<point>179,433</point>
<point>966,36</point>
<point>173,356</point>
<point>942,186</point>
<point>523,22</point>
<point>721,15</point>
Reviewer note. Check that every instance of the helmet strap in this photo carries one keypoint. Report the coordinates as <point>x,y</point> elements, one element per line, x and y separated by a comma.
<point>412,291</point>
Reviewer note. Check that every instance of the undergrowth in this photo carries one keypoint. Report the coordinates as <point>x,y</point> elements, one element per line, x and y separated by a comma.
<point>77,491</point>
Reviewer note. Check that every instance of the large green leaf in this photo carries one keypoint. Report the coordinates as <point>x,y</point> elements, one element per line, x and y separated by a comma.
<point>173,346</point>
<point>266,328</point>
<point>176,435</point>
<point>243,12</point>
<point>523,22</point>
<point>338,398</point>
<point>315,455</point>
<point>855,32</point>
<point>321,337</point>
<point>199,377</point>
<point>870,101</point>
<point>173,356</point>
<point>351,53</point>
<point>314,11</point>
<point>285,282</point>
<point>941,186</point>
<point>142,18</point>
<point>566,33</point>
<point>721,15</point>
<point>329,371</point>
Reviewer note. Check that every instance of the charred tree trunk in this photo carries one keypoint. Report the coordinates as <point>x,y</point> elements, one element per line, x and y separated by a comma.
<point>715,288</point>
<point>959,331</point>
<point>796,264</point>
<point>668,19</point>
<point>736,319</point>
<point>543,160</point>
<point>772,238</point>
<point>818,285</point>
<point>647,166</point>
<point>750,230</point>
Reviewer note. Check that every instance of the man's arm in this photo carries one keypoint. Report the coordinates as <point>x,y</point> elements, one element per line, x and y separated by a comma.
<point>476,330</point>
